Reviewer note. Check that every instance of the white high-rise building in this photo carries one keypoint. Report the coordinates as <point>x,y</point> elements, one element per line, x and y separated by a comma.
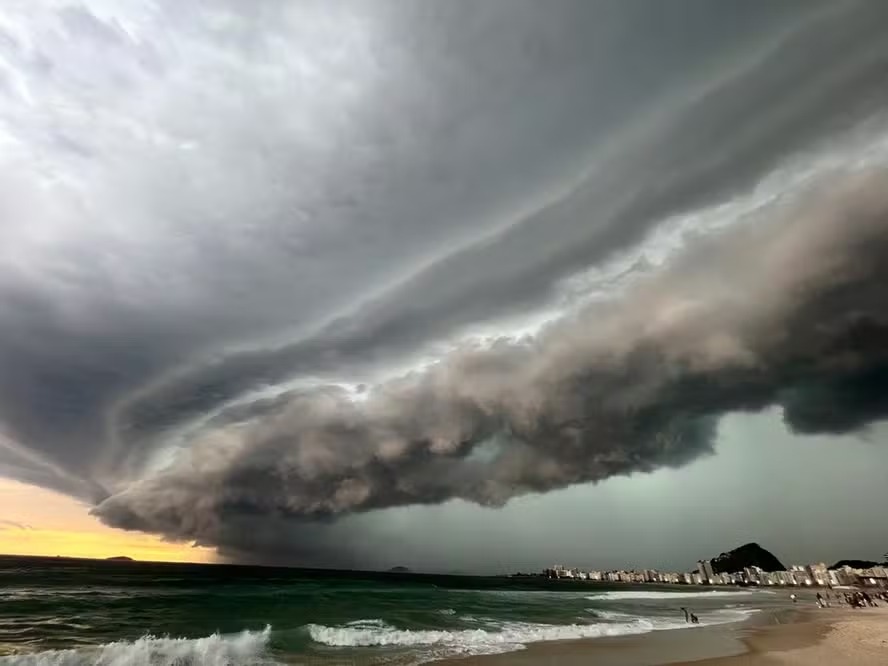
<point>706,571</point>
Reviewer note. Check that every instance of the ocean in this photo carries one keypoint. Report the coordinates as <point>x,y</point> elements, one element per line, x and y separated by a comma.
<point>63,612</point>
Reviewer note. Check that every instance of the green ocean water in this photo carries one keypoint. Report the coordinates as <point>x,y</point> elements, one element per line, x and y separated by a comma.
<point>73,612</point>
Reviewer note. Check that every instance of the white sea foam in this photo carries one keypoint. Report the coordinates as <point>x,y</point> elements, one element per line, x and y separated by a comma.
<point>636,595</point>
<point>610,615</point>
<point>711,617</point>
<point>510,636</point>
<point>507,636</point>
<point>247,648</point>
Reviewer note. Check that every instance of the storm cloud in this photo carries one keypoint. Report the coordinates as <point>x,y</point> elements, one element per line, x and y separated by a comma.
<point>787,312</point>
<point>265,268</point>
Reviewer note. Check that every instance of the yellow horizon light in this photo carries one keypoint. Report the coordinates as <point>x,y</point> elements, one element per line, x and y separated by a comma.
<point>36,521</point>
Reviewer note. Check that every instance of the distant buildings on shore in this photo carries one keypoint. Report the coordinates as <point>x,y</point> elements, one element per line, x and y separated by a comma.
<point>810,575</point>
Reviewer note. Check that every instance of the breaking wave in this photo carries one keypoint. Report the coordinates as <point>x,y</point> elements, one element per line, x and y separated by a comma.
<point>437,644</point>
<point>636,595</point>
<point>508,636</point>
<point>247,648</point>
<point>711,617</point>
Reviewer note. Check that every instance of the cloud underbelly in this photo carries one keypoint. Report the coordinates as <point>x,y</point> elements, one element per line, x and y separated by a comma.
<point>787,311</point>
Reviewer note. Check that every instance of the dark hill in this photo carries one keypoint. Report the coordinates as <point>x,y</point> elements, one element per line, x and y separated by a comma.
<point>855,564</point>
<point>747,555</point>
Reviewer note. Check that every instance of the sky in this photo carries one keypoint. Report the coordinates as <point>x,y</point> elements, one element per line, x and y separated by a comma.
<point>458,286</point>
<point>37,521</point>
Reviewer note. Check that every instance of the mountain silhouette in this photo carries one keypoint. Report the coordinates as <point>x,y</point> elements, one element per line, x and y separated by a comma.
<point>747,555</point>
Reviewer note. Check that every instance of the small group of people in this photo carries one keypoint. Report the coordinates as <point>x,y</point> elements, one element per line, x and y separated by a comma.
<point>861,599</point>
<point>690,617</point>
<point>854,599</point>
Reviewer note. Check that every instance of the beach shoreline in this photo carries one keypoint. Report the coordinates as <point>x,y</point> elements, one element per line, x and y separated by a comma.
<point>823,637</point>
<point>793,637</point>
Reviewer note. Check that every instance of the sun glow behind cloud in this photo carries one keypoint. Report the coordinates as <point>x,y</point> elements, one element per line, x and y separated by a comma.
<point>34,521</point>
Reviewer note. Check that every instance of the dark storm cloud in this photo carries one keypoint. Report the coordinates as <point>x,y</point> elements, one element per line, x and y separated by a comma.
<point>221,220</point>
<point>778,312</point>
<point>668,169</point>
<point>19,462</point>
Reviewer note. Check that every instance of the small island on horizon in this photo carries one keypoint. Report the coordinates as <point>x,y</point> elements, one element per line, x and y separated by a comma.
<point>119,558</point>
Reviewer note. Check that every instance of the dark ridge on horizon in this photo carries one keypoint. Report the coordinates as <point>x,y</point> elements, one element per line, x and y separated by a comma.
<point>747,555</point>
<point>313,571</point>
<point>858,564</point>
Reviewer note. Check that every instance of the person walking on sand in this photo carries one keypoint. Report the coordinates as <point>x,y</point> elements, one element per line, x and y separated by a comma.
<point>820,603</point>
<point>687,618</point>
<point>793,597</point>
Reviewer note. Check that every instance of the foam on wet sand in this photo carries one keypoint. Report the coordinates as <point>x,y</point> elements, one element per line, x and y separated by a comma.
<point>827,637</point>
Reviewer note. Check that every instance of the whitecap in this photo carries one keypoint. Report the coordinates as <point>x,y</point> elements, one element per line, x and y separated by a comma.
<point>636,595</point>
<point>508,637</point>
<point>247,648</point>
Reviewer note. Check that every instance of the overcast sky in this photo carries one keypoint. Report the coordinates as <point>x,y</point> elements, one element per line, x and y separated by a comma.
<point>463,285</point>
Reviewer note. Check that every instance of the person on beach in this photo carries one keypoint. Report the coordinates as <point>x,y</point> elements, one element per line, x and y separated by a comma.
<point>687,618</point>
<point>793,597</point>
<point>694,619</point>
<point>820,602</point>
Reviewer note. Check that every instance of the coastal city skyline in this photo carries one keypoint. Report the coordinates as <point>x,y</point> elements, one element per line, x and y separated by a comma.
<point>798,575</point>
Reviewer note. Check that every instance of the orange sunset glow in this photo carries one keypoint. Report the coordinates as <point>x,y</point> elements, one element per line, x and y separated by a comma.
<point>35,521</point>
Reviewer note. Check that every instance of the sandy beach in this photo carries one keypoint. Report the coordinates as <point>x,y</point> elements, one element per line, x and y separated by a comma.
<point>830,637</point>
<point>810,637</point>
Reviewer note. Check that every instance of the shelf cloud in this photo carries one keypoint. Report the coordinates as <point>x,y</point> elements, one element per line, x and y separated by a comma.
<point>781,312</point>
<point>266,269</point>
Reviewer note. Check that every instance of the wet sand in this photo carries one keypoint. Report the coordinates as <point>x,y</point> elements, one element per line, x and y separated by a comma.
<point>828,637</point>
